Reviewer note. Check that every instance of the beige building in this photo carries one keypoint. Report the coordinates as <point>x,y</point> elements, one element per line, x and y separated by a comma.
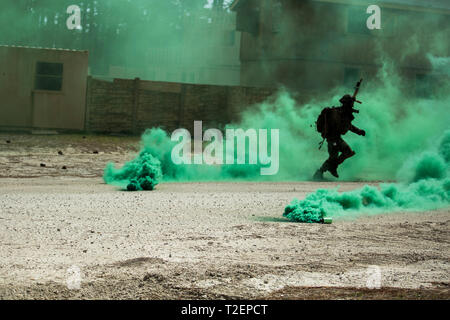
<point>42,88</point>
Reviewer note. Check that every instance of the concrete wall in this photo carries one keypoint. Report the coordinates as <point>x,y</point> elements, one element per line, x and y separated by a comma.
<point>23,107</point>
<point>131,106</point>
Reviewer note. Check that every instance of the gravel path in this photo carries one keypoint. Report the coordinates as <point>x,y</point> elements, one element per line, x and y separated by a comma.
<point>65,234</point>
<point>203,240</point>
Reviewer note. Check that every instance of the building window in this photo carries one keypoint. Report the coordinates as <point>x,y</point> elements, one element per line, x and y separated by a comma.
<point>49,76</point>
<point>351,76</point>
<point>357,20</point>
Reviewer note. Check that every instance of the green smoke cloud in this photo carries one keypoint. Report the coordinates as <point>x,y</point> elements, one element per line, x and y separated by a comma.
<point>425,174</point>
<point>142,173</point>
<point>429,189</point>
<point>401,122</point>
<point>163,40</point>
<point>399,128</point>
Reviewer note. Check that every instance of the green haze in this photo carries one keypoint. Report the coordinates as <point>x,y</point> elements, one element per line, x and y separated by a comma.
<point>399,128</point>
<point>429,190</point>
<point>142,173</point>
<point>164,40</point>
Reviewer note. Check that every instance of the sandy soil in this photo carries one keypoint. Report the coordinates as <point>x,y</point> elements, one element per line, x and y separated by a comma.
<point>193,240</point>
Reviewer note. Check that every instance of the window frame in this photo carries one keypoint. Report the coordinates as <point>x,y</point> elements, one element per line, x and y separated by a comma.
<point>48,76</point>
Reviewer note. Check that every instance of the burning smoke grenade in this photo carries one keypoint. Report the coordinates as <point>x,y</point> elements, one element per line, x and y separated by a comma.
<point>429,189</point>
<point>398,127</point>
<point>424,175</point>
<point>142,173</point>
<point>154,162</point>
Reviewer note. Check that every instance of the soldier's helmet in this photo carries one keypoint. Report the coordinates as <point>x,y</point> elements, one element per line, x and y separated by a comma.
<point>347,100</point>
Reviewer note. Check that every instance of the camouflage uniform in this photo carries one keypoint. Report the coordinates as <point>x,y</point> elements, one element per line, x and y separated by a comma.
<point>342,118</point>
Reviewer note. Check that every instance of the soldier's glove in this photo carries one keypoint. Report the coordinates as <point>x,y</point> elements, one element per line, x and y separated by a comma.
<point>362,133</point>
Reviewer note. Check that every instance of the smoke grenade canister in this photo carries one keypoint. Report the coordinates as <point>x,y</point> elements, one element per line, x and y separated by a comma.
<point>327,220</point>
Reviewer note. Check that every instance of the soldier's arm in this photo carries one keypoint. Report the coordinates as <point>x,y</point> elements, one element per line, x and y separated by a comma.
<point>357,130</point>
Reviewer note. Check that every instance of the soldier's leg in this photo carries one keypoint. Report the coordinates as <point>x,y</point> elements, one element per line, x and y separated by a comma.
<point>346,151</point>
<point>332,164</point>
<point>329,163</point>
<point>333,152</point>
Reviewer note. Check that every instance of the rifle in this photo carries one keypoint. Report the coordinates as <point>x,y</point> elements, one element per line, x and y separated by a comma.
<point>358,84</point>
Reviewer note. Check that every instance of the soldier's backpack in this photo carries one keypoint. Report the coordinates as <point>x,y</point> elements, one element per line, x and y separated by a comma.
<point>323,120</point>
<point>329,123</point>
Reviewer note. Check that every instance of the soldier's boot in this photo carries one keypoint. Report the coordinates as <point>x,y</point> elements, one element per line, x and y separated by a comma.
<point>334,164</point>
<point>333,170</point>
<point>318,176</point>
<point>331,166</point>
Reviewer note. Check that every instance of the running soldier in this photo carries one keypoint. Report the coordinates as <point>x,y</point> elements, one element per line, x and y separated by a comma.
<point>333,123</point>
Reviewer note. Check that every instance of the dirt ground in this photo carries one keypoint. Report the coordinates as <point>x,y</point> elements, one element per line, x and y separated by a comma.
<point>64,234</point>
